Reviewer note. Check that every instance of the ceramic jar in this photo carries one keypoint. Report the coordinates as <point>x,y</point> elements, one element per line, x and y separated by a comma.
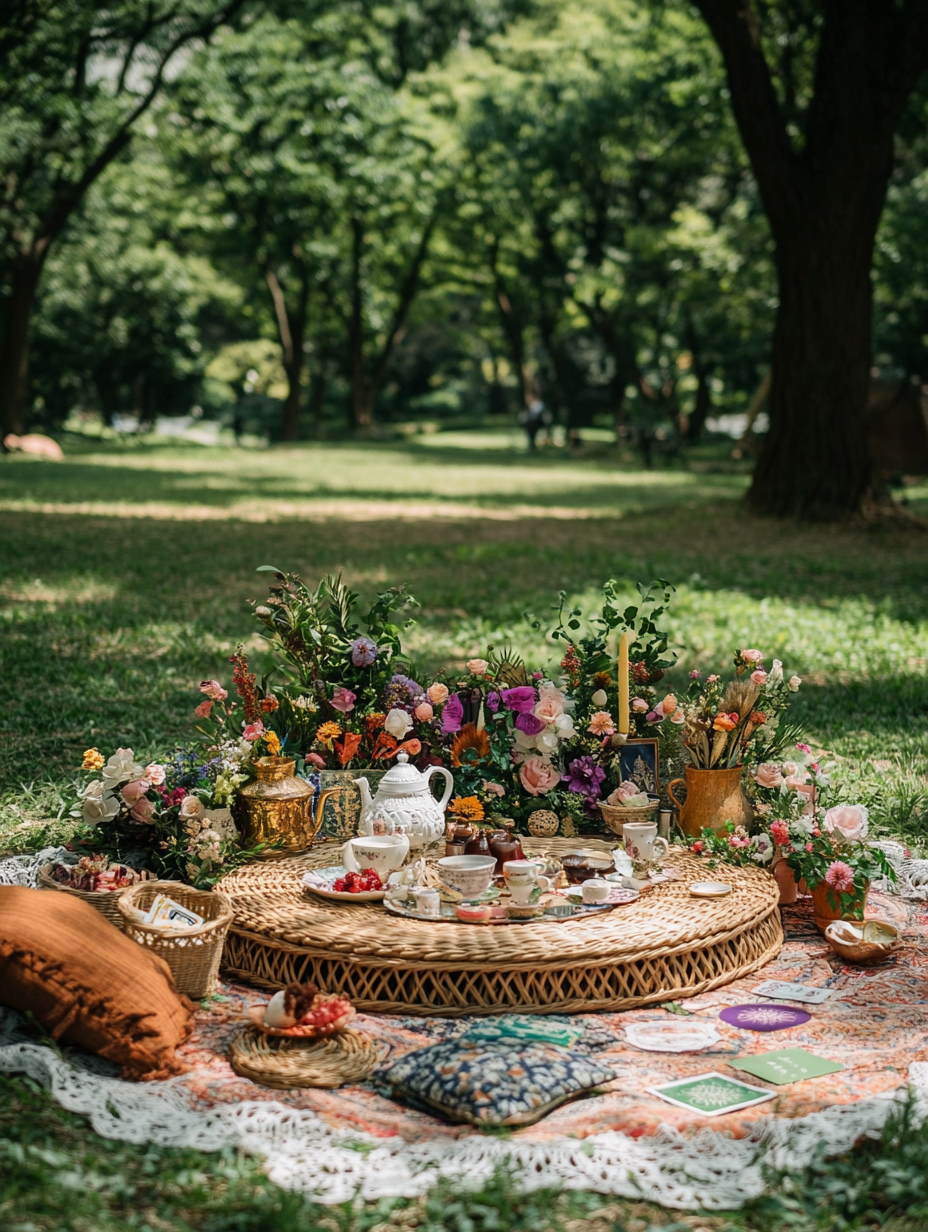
<point>713,798</point>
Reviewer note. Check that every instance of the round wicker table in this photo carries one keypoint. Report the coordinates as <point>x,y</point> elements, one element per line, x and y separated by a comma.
<point>665,946</point>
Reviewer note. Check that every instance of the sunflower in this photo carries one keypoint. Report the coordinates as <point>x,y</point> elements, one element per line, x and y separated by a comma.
<point>470,746</point>
<point>468,808</point>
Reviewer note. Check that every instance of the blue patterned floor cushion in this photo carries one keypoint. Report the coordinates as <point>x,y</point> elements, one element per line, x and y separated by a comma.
<point>493,1082</point>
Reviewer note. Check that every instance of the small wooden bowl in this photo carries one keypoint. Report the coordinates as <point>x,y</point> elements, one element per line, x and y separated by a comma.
<point>862,941</point>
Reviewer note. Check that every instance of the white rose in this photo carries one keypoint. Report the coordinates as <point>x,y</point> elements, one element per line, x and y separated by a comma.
<point>121,767</point>
<point>564,726</point>
<point>599,698</point>
<point>848,822</point>
<point>524,743</point>
<point>191,806</point>
<point>775,675</point>
<point>794,683</point>
<point>99,805</point>
<point>547,741</point>
<point>397,723</point>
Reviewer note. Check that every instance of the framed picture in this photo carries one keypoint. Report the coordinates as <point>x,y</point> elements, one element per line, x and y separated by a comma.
<point>639,761</point>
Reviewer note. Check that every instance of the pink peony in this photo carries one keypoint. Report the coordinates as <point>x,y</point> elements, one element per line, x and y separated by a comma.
<point>254,730</point>
<point>143,810</point>
<point>669,704</point>
<point>477,666</point>
<point>639,705</point>
<point>601,723</point>
<point>759,676</point>
<point>155,773</point>
<point>538,776</point>
<point>203,710</point>
<point>752,656</point>
<point>213,690</point>
<point>438,694</point>
<point>840,877</point>
<point>550,707</point>
<point>135,790</point>
<point>424,712</point>
<point>847,822</point>
<point>343,699</point>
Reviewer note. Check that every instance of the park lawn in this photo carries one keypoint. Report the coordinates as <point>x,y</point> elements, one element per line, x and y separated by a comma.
<point>125,573</point>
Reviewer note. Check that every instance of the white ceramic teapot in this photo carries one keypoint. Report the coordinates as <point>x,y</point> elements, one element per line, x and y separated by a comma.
<point>406,804</point>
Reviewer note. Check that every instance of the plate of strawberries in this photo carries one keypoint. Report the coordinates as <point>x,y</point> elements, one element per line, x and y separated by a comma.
<point>338,883</point>
<point>301,1011</point>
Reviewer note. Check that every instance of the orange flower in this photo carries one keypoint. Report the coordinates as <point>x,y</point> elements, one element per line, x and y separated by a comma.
<point>386,744</point>
<point>93,759</point>
<point>468,808</point>
<point>725,722</point>
<point>326,732</point>
<point>758,718</point>
<point>602,680</point>
<point>374,722</point>
<point>470,746</point>
<point>272,742</point>
<point>348,747</point>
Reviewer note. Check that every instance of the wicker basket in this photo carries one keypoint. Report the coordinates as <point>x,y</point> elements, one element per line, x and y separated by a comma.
<point>615,816</point>
<point>192,955</point>
<point>104,901</point>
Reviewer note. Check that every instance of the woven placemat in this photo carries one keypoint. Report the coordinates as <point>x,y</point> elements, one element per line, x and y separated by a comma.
<point>272,1061</point>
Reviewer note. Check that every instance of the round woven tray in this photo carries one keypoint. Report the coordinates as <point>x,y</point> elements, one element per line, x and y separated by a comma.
<point>349,1056</point>
<point>104,901</point>
<point>665,946</point>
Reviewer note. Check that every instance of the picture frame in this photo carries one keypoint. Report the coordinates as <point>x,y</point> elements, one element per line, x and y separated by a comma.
<point>639,760</point>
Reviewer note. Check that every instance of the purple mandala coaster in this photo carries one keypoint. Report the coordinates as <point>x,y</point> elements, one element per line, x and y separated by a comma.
<point>764,1017</point>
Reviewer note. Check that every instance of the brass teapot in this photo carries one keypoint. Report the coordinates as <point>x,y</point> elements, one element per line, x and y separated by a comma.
<point>277,806</point>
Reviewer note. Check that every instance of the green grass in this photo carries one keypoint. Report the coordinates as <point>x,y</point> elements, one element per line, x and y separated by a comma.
<point>124,576</point>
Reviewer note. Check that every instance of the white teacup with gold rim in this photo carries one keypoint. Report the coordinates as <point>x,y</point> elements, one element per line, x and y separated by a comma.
<point>525,880</point>
<point>384,853</point>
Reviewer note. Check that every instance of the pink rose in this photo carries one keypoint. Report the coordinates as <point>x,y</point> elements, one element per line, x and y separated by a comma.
<point>438,694</point>
<point>668,705</point>
<point>768,775</point>
<point>135,790</point>
<point>477,666</point>
<point>538,776</point>
<point>343,699</point>
<point>143,810</point>
<point>640,705</point>
<point>424,712</point>
<point>795,781</point>
<point>202,711</point>
<point>254,730</point>
<point>711,679</point>
<point>759,676</point>
<point>752,656</point>
<point>214,690</point>
<point>848,822</point>
<point>155,773</point>
<point>549,708</point>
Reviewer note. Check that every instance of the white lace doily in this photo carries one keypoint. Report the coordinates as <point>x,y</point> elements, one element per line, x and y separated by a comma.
<point>709,1170</point>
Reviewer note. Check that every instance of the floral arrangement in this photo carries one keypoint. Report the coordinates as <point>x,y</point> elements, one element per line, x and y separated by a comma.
<point>170,817</point>
<point>834,853</point>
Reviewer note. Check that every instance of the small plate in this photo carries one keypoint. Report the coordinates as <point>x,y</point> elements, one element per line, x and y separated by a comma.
<point>672,1036</point>
<point>710,889</point>
<point>618,897</point>
<point>331,875</point>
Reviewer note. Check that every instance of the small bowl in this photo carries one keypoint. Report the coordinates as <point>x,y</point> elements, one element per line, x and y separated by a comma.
<point>526,911</point>
<point>581,865</point>
<point>862,941</point>
<point>469,913</point>
<point>469,875</point>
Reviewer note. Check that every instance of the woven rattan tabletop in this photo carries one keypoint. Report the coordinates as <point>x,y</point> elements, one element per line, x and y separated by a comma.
<point>269,901</point>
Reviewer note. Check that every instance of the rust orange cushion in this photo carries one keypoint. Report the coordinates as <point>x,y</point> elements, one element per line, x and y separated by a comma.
<point>88,983</point>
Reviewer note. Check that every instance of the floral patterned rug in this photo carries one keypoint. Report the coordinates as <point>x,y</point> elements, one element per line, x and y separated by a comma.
<point>875,1023</point>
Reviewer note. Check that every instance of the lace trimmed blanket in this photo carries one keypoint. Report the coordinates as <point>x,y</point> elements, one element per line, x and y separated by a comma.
<point>355,1141</point>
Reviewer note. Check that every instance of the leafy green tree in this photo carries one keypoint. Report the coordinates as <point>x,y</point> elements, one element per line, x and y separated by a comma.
<point>75,77</point>
<point>818,88</point>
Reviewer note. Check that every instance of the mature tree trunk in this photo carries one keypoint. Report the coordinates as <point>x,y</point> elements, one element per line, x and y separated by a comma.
<point>317,399</point>
<point>14,345</point>
<point>703,402</point>
<point>823,196</point>
<point>511,325</point>
<point>291,329</point>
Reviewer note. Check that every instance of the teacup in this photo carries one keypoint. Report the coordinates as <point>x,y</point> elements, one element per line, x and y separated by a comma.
<point>525,880</point>
<point>384,853</point>
<point>595,890</point>
<point>642,842</point>
<point>469,875</point>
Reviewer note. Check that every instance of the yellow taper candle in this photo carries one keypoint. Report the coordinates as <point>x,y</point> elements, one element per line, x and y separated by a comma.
<point>624,642</point>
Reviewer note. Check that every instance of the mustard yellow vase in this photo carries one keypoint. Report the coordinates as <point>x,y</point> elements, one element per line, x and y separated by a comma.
<point>276,806</point>
<point>713,798</point>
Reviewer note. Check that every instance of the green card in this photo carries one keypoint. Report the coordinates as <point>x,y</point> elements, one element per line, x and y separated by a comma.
<point>711,1094</point>
<point>786,1065</point>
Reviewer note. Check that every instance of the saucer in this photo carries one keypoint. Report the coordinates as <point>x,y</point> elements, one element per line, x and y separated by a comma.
<point>710,889</point>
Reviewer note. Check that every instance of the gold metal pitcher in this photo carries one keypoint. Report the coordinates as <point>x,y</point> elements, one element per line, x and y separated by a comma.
<point>277,806</point>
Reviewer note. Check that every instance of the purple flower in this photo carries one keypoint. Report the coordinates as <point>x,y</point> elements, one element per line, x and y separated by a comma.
<point>403,694</point>
<point>363,652</point>
<point>584,776</point>
<point>654,717</point>
<point>452,715</point>
<point>530,725</point>
<point>521,699</point>
<point>493,702</point>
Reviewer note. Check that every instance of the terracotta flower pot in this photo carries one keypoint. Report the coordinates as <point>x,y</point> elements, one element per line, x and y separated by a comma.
<point>713,798</point>
<point>786,881</point>
<point>825,913</point>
